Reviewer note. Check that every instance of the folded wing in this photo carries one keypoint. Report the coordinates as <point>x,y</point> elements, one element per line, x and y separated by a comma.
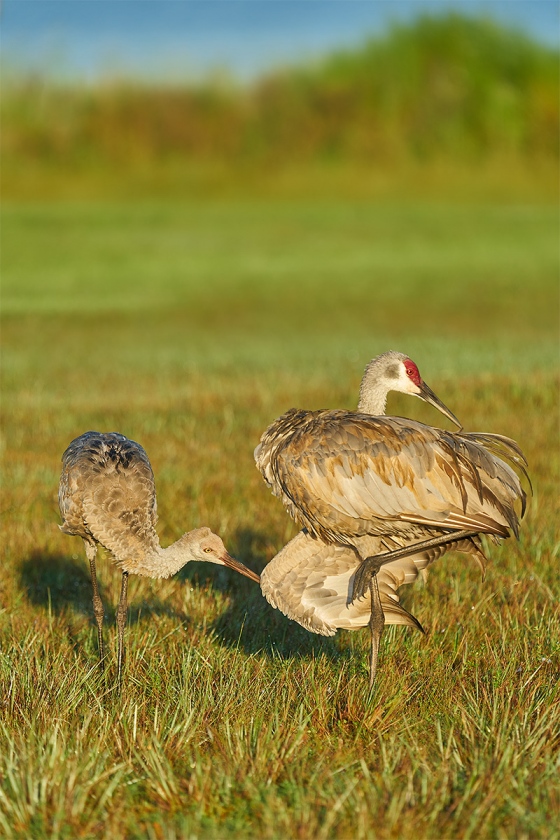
<point>342,475</point>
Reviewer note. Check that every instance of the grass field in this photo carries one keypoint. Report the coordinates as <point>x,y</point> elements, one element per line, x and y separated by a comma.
<point>189,327</point>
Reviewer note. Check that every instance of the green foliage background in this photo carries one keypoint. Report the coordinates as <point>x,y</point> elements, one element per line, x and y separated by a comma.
<point>450,91</point>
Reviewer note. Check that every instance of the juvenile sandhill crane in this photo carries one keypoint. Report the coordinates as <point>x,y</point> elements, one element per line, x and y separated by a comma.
<point>380,498</point>
<point>107,496</point>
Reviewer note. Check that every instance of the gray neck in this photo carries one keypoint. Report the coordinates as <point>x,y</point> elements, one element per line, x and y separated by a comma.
<point>373,394</point>
<point>158,562</point>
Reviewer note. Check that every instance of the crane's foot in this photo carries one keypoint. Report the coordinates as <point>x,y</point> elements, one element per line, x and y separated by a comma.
<point>365,573</point>
<point>371,565</point>
<point>376,626</point>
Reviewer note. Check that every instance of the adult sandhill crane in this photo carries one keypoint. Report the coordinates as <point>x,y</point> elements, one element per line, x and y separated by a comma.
<point>380,498</point>
<point>107,497</point>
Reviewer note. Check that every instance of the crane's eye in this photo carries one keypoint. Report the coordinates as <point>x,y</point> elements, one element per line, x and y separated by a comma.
<point>208,550</point>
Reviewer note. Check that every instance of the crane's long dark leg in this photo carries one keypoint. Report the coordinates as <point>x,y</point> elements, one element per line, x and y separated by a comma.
<point>98,611</point>
<point>376,626</point>
<point>121,622</point>
<point>371,565</point>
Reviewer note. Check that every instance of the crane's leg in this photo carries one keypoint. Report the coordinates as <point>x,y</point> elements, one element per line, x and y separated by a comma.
<point>121,621</point>
<point>376,625</point>
<point>91,552</point>
<point>371,565</point>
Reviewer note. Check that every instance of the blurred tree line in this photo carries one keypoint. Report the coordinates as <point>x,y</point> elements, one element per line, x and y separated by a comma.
<point>442,86</point>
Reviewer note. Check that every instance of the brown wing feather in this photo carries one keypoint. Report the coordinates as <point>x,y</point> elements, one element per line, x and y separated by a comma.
<point>343,474</point>
<point>107,494</point>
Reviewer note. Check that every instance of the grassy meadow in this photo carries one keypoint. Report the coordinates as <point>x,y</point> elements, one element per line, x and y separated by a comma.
<point>189,326</point>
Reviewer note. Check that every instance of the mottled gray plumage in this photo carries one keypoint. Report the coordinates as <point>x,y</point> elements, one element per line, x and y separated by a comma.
<point>107,496</point>
<point>363,486</point>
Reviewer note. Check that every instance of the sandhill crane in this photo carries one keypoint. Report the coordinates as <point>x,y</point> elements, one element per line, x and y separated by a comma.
<point>380,498</point>
<point>107,496</point>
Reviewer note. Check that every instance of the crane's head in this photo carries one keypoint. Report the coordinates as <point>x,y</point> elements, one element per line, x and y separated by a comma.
<point>205,545</point>
<point>393,371</point>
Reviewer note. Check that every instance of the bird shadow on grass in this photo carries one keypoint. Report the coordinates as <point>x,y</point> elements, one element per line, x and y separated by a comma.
<point>251,624</point>
<point>56,582</point>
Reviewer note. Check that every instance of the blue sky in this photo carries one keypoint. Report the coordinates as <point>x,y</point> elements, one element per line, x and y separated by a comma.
<point>86,39</point>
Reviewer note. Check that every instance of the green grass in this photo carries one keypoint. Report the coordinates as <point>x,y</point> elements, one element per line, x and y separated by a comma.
<point>189,327</point>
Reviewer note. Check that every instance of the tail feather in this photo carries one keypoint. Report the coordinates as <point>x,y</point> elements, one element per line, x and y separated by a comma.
<point>505,448</point>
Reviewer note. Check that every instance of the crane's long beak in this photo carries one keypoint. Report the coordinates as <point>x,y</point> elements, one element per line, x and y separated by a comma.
<point>428,396</point>
<point>232,563</point>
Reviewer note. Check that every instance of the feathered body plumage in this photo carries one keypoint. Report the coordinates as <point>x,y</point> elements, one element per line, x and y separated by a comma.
<point>107,495</point>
